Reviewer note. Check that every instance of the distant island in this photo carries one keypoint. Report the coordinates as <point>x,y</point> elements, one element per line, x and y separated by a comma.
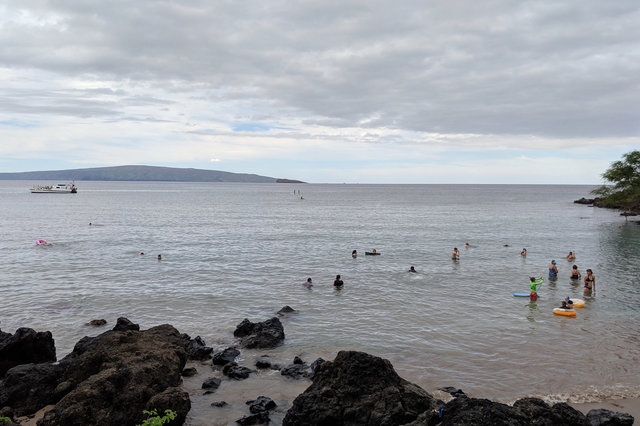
<point>144,173</point>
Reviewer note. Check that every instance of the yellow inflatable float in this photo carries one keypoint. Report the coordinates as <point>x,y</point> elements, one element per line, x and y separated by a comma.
<point>564,312</point>
<point>578,303</point>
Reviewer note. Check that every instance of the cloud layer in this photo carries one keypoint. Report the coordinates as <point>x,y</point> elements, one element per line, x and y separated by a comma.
<point>270,86</point>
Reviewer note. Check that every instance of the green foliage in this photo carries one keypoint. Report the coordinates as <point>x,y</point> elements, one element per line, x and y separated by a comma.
<point>624,178</point>
<point>5,421</point>
<point>153,419</point>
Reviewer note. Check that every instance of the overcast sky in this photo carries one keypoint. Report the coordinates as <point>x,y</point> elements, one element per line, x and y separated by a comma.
<point>323,91</point>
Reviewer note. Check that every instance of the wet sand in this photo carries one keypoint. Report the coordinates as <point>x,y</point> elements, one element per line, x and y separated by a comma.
<point>631,406</point>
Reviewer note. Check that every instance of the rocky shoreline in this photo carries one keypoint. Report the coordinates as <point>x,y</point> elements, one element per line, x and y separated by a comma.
<point>595,202</point>
<point>111,378</point>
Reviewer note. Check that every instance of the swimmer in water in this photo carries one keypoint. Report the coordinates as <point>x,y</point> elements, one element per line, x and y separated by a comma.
<point>308,283</point>
<point>523,252</point>
<point>571,256</point>
<point>412,269</point>
<point>467,245</point>
<point>159,257</point>
<point>354,254</point>
<point>553,269</point>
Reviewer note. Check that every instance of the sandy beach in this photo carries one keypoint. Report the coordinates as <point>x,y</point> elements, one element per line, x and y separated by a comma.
<point>631,406</point>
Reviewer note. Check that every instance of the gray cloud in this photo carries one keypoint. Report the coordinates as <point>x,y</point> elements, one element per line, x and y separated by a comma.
<point>550,68</point>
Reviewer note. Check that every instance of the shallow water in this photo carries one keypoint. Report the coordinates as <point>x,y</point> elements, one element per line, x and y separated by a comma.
<point>234,251</point>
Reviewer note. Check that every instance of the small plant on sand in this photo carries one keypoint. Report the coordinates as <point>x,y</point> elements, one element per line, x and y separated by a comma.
<point>153,419</point>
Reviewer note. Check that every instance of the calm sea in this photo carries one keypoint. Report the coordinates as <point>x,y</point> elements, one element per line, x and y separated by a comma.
<point>234,251</point>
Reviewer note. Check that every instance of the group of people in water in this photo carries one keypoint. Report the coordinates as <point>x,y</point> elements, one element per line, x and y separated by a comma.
<point>534,282</point>
<point>567,303</point>
<point>575,274</point>
<point>336,283</point>
<point>141,253</point>
<point>455,253</point>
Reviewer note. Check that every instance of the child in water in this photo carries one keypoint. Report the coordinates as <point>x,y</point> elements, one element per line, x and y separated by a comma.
<point>533,285</point>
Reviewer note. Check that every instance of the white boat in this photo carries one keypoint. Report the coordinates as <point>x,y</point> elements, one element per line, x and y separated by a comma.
<point>61,188</point>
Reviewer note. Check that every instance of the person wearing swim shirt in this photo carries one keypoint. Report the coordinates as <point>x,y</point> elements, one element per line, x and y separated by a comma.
<point>589,282</point>
<point>338,282</point>
<point>575,273</point>
<point>533,285</point>
<point>309,283</point>
<point>553,269</point>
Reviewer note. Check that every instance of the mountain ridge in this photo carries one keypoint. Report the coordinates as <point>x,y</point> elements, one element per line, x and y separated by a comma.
<point>144,173</point>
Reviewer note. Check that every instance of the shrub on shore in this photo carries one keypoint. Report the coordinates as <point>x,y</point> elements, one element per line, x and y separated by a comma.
<point>153,419</point>
<point>623,192</point>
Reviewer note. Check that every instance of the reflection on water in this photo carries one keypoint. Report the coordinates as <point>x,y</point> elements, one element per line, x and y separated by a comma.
<point>533,306</point>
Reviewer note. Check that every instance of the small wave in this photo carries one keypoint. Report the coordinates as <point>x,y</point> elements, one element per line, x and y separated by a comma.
<point>590,394</point>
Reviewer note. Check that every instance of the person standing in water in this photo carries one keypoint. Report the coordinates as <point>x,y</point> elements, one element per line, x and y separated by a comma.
<point>523,252</point>
<point>589,282</point>
<point>354,254</point>
<point>309,283</point>
<point>553,269</point>
<point>338,282</point>
<point>533,285</point>
<point>571,256</point>
<point>412,269</point>
<point>455,254</point>
<point>575,273</point>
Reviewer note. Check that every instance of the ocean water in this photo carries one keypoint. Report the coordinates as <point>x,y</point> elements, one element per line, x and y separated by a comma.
<point>235,251</point>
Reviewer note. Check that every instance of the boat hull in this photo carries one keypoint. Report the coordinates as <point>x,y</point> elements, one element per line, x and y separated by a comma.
<point>60,188</point>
